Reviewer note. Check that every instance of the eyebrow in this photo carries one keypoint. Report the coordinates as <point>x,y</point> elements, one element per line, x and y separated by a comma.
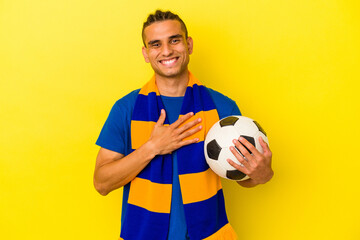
<point>175,36</point>
<point>152,42</point>
<point>171,37</point>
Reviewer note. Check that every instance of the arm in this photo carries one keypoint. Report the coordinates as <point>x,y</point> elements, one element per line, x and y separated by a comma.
<point>257,165</point>
<point>114,170</point>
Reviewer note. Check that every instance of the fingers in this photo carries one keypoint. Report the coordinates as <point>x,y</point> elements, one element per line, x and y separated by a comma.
<point>180,129</point>
<point>188,129</point>
<point>187,142</point>
<point>182,119</point>
<point>162,118</point>
<point>265,147</point>
<point>191,131</point>
<point>245,163</point>
<point>189,125</point>
<point>244,145</point>
<point>183,130</point>
<point>242,169</point>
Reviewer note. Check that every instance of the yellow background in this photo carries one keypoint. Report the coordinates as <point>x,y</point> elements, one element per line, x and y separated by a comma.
<point>291,65</point>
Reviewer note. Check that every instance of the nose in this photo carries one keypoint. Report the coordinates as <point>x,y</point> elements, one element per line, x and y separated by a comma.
<point>167,50</point>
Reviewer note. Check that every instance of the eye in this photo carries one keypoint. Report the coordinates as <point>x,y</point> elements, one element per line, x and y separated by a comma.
<point>175,40</point>
<point>155,45</point>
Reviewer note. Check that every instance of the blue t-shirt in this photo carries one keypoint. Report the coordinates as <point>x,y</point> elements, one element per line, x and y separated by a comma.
<point>115,136</point>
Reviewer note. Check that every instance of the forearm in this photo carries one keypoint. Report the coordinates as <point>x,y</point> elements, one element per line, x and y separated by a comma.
<point>118,173</point>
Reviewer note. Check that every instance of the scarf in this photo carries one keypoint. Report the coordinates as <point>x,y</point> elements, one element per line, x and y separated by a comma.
<point>148,207</point>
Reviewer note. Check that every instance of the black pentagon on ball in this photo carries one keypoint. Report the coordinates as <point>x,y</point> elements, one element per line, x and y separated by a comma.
<point>235,174</point>
<point>250,140</point>
<point>260,128</point>
<point>213,150</point>
<point>229,121</point>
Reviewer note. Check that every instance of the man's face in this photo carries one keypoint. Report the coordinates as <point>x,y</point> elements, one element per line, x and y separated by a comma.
<point>167,49</point>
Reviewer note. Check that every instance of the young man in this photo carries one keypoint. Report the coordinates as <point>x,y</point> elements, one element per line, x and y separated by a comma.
<point>152,144</point>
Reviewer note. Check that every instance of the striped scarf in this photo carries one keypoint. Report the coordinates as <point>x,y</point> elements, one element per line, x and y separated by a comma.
<point>148,208</point>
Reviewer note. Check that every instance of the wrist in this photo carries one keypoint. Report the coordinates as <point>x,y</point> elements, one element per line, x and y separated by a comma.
<point>150,149</point>
<point>249,183</point>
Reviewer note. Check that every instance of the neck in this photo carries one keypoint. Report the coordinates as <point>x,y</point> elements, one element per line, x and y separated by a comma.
<point>172,86</point>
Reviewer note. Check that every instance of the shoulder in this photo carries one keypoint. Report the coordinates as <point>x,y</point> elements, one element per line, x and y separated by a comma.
<point>128,101</point>
<point>122,110</point>
<point>225,105</point>
<point>219,97</point>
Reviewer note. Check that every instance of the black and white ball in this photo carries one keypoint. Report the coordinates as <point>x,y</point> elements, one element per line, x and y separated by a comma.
<point>219,139</point>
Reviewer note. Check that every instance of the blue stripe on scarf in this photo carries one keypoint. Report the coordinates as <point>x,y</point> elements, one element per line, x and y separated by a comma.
<point>198,92</point>
<point>143,224</point>
<point>210,213</point>
<point>155,171</point>
<point>188,165</point>
<point>144,112</point>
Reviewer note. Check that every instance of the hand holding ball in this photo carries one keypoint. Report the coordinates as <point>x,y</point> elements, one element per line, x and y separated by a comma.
<point>219,140</point>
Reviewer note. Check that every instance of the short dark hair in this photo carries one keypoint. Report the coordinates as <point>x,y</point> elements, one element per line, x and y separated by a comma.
<point>159,16</point>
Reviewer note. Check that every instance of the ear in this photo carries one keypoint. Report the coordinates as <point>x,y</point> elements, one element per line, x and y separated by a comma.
<point>145,54</point>
<point>190,44</point>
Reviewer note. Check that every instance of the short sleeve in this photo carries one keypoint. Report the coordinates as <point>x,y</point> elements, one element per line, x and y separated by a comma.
<point>224,105</point>
<point>115,134</point>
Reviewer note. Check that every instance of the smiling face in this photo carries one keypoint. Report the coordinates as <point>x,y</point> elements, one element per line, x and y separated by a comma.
<point>167,49</point>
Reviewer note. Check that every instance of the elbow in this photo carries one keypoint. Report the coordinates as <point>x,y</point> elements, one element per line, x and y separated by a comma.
<point>100,188</point>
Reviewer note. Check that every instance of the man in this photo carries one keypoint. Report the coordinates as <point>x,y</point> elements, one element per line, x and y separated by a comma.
<point>152,144</point>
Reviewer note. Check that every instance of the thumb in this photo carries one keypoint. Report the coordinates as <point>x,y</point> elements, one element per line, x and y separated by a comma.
<point>162,117</point>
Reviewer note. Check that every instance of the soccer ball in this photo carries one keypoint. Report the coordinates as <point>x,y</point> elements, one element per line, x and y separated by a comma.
<point>219,139</point>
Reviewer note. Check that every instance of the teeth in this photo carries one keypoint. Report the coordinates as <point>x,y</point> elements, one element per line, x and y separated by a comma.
<point>167,62</point>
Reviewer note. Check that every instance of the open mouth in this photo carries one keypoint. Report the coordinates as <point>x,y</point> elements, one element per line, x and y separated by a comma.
<point>169,62</point>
